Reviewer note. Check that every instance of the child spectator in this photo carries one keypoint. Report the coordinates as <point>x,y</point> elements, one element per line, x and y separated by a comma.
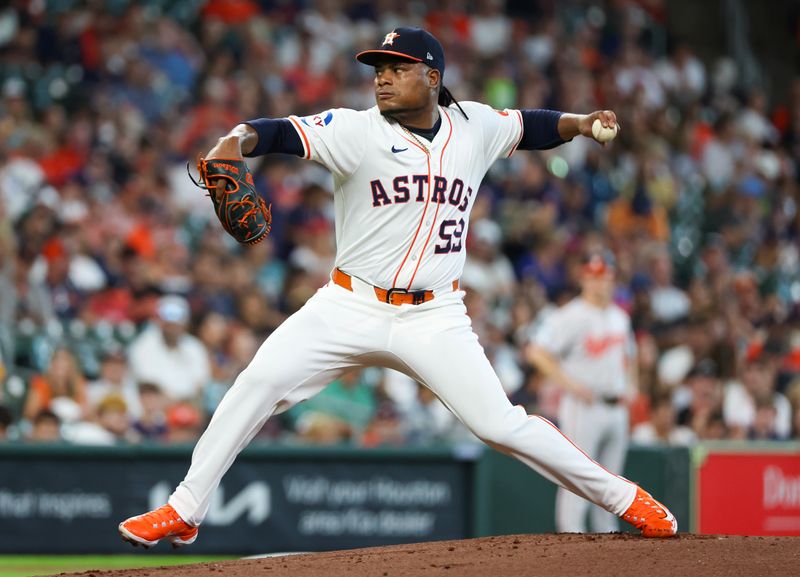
<point>45,428</point>
<point>114,379</point>
<point>151,424</point>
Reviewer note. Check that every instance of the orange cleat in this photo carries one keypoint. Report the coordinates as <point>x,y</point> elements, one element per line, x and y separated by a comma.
<point>163,523</point>
<point>649,516</point>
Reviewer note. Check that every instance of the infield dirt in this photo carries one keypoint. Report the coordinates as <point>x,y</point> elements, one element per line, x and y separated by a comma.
<point>520,555</point>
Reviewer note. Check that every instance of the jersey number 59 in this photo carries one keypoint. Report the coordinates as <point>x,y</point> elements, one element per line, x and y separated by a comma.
<point>450,232</point>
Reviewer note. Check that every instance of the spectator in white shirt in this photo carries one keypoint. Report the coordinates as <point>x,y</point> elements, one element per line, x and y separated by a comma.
<point>752,121</point>
<point>166,355</point>
<point>661,429</point>
<point>490,29</point>
<point>487,270</point>
<point>668,302</point>
<point>683,74</point>
<point>756,386</point>
<point>720,154</point>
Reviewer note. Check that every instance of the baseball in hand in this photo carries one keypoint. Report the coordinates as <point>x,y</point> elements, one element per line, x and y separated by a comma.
<point>602,134</point>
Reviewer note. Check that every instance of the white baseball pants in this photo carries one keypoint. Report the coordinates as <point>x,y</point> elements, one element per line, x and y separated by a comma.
<point>432,342</point>
<point>602,431</point>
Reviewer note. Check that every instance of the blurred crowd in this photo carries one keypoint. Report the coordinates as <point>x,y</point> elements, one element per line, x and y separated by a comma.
<point>126,312</point>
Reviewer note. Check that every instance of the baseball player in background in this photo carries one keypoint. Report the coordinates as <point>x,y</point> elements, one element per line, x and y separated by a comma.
<point>405,176</point>
<point>587,348</point>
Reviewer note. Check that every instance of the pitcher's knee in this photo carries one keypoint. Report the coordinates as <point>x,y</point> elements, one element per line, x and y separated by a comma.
<point>249,379</point>
<point>259,385</point>
<point>502,431</point>
<point>496,435</point>
<point>272,390</point>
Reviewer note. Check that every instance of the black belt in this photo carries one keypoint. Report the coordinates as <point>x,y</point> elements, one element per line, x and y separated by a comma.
<point>610,400</point>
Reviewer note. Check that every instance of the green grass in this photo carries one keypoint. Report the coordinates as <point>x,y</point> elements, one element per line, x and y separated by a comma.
<point>27,565</point>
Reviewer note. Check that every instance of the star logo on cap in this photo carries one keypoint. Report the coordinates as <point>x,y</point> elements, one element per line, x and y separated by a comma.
<point>389,38</point>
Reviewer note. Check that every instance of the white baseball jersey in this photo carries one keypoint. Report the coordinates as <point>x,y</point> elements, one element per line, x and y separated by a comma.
<point>403,203</point>
<point>593,344</point>
<point>402,206</point>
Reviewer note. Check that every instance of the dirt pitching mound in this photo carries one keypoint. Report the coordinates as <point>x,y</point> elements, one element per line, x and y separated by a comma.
<point>520,555</point>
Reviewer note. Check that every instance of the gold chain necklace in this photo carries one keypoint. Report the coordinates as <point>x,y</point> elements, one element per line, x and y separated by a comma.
<point>417,140</point>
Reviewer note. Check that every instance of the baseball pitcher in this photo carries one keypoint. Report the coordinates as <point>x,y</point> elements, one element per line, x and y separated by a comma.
<point>406,172</point>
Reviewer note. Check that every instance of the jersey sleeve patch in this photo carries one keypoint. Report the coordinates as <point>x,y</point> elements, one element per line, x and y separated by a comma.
<point>334,138</point>
<point>318,120</point>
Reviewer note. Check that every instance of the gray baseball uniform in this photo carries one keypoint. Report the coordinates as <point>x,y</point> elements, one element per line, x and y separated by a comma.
<point>594,346</point>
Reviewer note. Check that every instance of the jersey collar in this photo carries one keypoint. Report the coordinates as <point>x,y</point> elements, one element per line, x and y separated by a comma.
<point>442,136</point>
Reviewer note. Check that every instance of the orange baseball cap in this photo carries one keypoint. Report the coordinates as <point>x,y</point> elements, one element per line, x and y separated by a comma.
<point>598,263</point>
